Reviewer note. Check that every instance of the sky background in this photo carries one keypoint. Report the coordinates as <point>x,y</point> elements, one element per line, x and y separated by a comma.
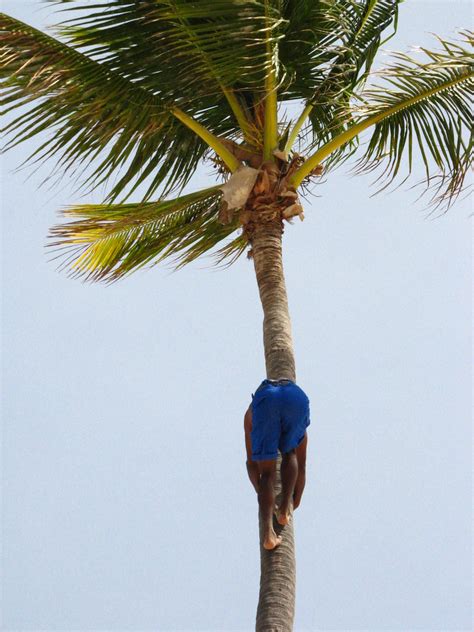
<point>125,499</point>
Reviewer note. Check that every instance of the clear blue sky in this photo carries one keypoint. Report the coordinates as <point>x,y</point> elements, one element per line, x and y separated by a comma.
<point>125,499</point>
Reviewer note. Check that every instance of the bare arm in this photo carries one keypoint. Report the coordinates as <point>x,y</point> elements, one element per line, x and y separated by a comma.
<point>252,467</point>
<point>301,479</point>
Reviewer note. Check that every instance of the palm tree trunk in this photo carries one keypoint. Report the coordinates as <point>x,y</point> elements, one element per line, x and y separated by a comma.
<point>276,605</point>
<point>277,341</point>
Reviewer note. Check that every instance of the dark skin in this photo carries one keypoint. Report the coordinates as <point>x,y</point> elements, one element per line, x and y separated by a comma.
<point>262,476</point>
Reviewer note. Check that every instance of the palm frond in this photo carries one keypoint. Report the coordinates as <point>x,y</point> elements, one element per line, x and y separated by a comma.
<point>371,19</point>
<point>106,242</point>
<point>359,25</point>
<point>89,112</point>
<point>193,52</point>
<point>312,35</point>
<point>230,252</point>
<point>424,106</point>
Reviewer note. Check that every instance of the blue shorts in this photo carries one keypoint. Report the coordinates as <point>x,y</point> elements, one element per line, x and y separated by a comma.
<point>280,416</point>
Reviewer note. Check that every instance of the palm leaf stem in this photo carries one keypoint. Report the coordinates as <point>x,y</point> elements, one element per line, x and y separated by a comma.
<point>227,92</point>
<point>316,159</point>
<point>297,127</point>
<point>365,19</point>
<point>214,143</point>
<point>239,114</point>
<point>270,125</point>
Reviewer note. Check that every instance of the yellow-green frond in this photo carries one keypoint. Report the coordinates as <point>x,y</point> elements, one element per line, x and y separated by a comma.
<point>106,242</point>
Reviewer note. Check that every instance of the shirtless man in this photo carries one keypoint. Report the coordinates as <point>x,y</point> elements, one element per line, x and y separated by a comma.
<point>276,420</point>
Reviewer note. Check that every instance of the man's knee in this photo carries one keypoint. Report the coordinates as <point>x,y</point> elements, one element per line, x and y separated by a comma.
<point>289,456</point>
<point>267,469</point>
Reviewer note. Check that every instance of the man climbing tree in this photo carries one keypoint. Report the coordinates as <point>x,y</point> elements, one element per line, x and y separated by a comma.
<point>276,421</point>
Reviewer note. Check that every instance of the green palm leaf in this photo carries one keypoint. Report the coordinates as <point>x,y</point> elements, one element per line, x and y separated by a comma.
<point>355,29</point>
<point>371,18</point>
<point>312,35</point>
<point>177,47</point>
<point>424,106</point>
<point>108,242</point>
<point>195,53</point>
<point>88,111</point>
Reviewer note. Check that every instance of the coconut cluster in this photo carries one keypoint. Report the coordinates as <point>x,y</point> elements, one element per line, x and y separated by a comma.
<point>271,197</point>
<point>261,195</point>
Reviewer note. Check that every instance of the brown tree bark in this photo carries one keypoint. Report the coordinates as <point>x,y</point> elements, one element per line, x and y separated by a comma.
<point>276,605</point>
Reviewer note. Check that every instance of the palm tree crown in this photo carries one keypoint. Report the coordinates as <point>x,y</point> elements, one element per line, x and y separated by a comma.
<point>143,91</point>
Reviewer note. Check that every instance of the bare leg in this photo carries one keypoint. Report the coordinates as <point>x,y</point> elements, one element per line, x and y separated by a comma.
<point>289,474</point>
<point>301,480</point>
<point>266,500</point>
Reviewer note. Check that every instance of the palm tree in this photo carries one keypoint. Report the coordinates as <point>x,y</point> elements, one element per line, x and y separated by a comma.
<point>144,90</point>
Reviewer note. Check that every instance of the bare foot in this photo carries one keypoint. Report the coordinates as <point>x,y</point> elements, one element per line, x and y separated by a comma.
<point>283,518</point>
<point>271,541</point>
